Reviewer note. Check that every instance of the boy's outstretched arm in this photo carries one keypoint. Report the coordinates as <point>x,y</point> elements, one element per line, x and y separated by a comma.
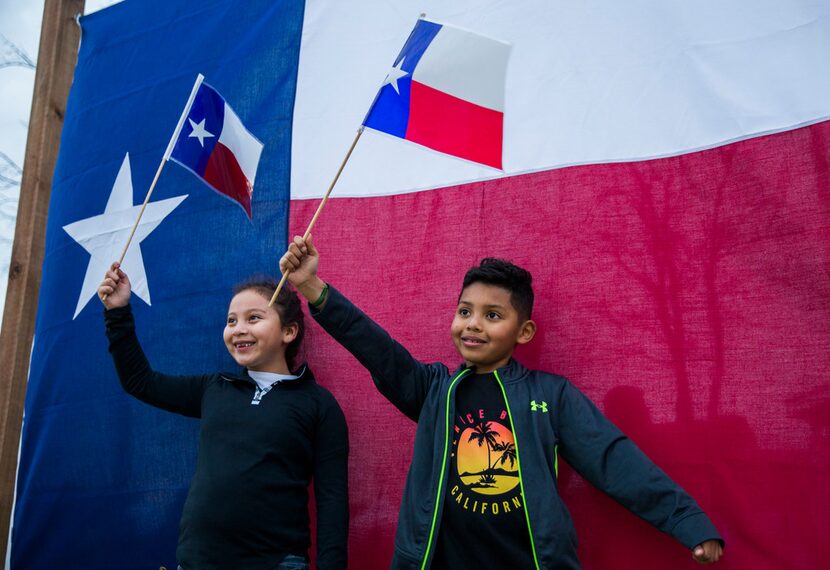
<point>708,552</point>
<point>601,453</point>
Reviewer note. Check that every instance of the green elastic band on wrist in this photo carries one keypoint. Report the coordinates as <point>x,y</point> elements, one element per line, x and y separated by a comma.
<point>319,301</point>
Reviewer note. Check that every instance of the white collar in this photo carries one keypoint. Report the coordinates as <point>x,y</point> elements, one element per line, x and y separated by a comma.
<point>266,379</point>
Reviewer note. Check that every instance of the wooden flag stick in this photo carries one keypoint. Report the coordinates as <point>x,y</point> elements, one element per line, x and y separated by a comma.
<point>164,159</point>
<point>319,209</point>
<point>333,182</point>
<point>141,213</point>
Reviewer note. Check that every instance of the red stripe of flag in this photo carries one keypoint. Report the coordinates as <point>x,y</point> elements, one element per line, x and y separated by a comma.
<point>454,126</point>
<point>662,269</point>
<point>224,174</point>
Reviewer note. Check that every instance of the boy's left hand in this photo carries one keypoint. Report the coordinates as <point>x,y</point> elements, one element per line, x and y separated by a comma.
<point>300,261</point>
<point>707,552</point>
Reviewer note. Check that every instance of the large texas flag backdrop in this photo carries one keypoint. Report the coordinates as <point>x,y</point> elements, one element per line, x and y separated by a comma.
<point>666,179</point>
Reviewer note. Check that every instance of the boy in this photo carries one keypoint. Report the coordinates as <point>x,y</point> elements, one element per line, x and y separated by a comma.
<point>481,488</point>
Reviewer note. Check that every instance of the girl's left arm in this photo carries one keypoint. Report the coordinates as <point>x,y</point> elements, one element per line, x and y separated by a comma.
<point>331,485</point>
<point>178,394</point>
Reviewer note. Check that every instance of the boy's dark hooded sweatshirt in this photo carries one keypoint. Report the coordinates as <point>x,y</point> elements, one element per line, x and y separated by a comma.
<point>573,427</point>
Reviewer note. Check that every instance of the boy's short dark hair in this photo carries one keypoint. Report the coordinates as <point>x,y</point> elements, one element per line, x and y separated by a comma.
<point>502,273</point>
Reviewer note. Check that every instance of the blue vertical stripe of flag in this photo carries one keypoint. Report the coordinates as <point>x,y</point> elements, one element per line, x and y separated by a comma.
<point>390,111</point>
<point>102,477</point>
<point>208,106</point>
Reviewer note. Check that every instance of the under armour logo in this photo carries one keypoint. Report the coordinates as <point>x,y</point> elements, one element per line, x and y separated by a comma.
<point>541,406</point>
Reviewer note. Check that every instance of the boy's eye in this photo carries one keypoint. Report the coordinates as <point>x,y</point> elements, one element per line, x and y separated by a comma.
<point>231,321</point>
<point>493,315</point>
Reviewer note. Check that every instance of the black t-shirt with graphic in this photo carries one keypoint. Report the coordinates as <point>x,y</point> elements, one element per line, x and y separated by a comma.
<point>483,525</point>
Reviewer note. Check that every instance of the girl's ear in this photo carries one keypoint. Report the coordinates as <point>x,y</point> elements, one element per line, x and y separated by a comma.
<point>290,332</point>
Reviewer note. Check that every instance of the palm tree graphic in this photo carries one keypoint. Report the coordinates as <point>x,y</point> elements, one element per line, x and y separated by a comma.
<point>508,453</point>
<point>484,433</point>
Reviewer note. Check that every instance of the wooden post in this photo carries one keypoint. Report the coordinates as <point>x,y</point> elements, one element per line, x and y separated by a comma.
<point>59,40</point>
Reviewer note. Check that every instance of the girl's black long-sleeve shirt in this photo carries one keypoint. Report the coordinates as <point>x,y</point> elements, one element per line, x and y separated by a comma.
<point>247,507</point>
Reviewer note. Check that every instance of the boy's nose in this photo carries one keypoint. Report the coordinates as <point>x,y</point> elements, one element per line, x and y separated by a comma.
<point>472,324</point>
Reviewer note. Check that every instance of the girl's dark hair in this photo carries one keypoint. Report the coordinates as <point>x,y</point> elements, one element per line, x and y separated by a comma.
<point>287,305</point>
<point>501,273</point>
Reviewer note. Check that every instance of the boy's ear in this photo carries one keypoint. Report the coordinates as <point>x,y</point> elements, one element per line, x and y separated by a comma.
<point>289,333</point>
<point>526,332</point>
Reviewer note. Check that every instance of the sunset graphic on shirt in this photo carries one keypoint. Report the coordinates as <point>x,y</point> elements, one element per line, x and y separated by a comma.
<point>486,458</point>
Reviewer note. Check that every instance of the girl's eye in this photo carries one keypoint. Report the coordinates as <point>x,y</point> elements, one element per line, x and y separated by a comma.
<point>254,318</point>
<point>464,312</point>
<point>231,321</point>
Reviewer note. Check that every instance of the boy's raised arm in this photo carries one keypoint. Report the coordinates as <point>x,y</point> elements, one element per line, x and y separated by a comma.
<point>402,379</point>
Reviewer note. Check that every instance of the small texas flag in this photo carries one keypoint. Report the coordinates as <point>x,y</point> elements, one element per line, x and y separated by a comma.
<point>446,92</point>
<point>215,145</point>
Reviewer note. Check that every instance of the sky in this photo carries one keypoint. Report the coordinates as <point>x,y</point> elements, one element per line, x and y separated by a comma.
<point>19,24</point>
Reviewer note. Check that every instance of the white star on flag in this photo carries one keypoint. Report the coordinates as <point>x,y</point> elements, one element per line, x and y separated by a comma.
<point>199,131</point>
<point>105,235</point>
<point>394,74</point>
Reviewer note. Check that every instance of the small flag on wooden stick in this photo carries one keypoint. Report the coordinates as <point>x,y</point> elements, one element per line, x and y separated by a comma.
<point>445,91</point>
<point>214,144</point>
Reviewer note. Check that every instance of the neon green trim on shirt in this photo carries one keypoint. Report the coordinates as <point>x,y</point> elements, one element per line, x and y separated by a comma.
<point>519,466</point>
<point>443,468</point>
<point>556,460</point>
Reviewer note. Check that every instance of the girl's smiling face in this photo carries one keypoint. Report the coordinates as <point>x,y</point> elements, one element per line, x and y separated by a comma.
<point>254,335</point>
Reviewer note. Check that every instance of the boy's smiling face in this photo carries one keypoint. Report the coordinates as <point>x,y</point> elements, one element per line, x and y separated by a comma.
<point>486,327</point>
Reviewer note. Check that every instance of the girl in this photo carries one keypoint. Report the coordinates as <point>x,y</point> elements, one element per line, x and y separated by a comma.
<point>264,434</point>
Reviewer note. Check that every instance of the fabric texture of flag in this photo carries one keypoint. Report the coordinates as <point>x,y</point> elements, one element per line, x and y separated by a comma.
<point>102,477</point>
<point>216,147</point>
<point>666,176</point>
<point>446,92</point>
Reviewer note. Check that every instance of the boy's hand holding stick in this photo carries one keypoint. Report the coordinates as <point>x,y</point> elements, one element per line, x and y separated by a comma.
<point>299,266</point>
